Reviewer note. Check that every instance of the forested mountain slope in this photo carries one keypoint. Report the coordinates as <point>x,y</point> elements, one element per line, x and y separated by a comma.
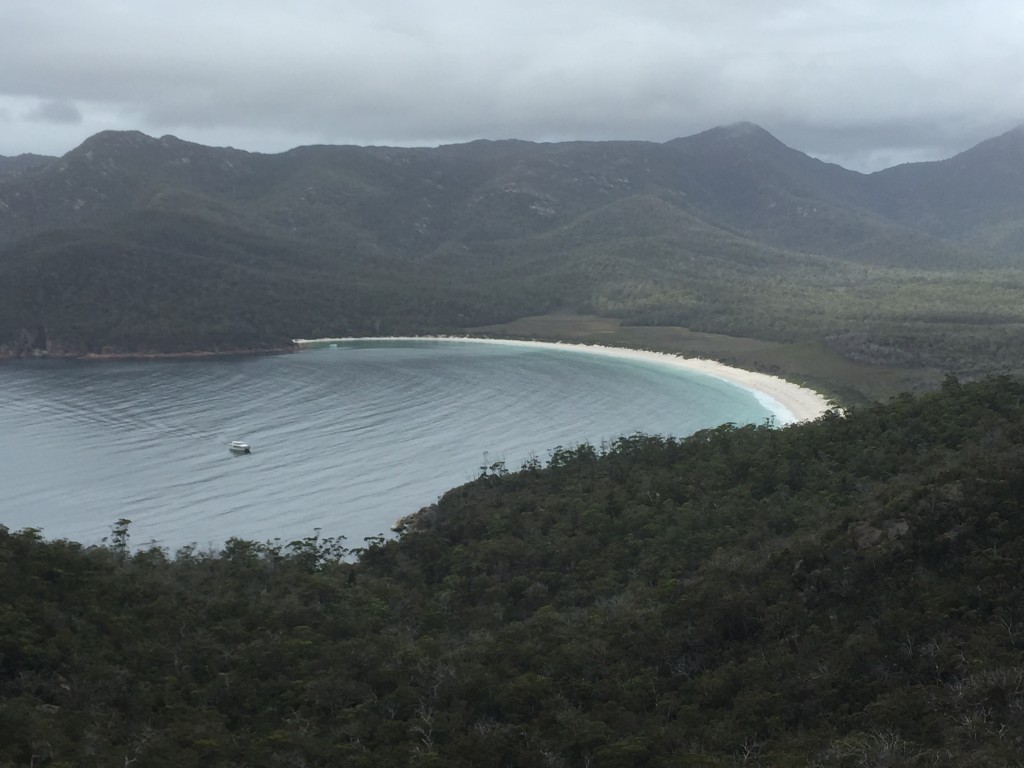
<point>841,593</point>
<point>976,197</point>
<point>727,232</point>
<point>20,163</point>
<point>417,199</point>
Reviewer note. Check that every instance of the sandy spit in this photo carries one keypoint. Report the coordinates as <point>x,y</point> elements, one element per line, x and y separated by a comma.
<point>791,403</point>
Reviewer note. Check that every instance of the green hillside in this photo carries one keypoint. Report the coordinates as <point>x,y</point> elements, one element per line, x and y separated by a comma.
<point>132,244</point>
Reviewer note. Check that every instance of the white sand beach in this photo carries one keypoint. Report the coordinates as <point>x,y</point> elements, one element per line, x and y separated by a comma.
<point>791,403</point>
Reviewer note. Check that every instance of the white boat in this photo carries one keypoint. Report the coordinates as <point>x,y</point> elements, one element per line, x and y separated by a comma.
<point>237,446</point>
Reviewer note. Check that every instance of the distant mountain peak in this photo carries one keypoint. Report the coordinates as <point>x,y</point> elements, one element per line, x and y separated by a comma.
<point>747,139</point>
<point>746,133</point>
<point>741,133</point>
<point>743,128</point>
<point>112,141</point>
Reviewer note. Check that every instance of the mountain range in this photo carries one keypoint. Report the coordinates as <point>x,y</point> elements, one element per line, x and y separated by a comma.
<point>130,243</point>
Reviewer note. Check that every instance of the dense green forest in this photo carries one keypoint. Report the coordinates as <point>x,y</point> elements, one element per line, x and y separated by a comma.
<point>845,592</point>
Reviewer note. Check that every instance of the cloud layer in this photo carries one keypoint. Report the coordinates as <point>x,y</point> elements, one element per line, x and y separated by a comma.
<point>865,84</point>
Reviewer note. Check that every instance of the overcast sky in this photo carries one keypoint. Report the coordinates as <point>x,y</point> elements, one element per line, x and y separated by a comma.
<point>864,83</point>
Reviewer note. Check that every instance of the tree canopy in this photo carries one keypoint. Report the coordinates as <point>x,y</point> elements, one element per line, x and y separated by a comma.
<point>844,592</point>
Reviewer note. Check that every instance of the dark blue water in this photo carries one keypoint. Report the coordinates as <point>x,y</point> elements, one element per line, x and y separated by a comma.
<point>346,440</point>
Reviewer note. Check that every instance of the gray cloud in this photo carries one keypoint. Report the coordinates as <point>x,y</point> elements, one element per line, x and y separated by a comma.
<point>864,83</point>
<point>56,112</point>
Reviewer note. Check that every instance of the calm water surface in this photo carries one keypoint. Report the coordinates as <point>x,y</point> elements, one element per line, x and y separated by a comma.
<point>346,439</point>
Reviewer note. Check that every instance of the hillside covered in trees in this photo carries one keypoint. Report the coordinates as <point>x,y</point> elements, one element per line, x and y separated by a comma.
<point>845,592</point>
<point>134,244</point>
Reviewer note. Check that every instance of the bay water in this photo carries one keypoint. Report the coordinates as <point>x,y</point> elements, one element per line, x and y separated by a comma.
<point>345,439</point>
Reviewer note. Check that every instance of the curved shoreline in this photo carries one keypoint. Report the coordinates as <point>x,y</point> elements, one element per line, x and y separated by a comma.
<point>791,403</point>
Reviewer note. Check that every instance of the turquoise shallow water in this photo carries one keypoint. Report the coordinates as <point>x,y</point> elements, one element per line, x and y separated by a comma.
<point>345,439</point>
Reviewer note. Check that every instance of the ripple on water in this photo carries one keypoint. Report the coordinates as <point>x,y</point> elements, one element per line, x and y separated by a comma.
<point>346,440</point>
